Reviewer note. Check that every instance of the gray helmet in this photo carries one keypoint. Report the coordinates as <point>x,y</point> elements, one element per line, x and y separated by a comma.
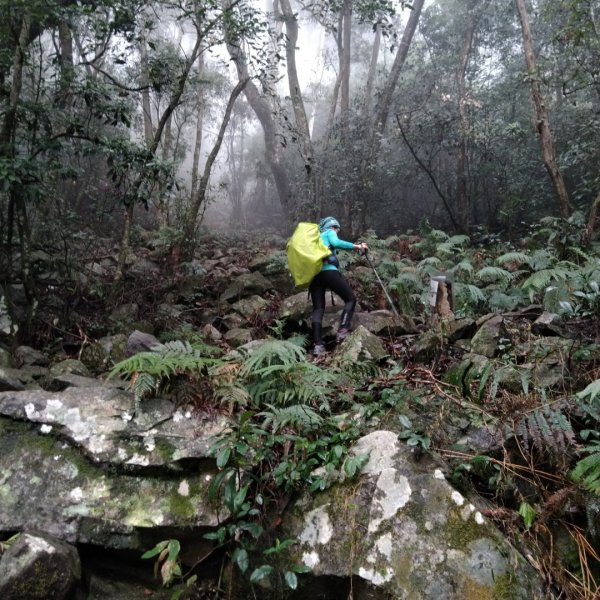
<point>327,223</point>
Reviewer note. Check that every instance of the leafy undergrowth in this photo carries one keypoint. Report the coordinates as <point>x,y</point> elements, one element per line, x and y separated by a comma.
<point>531,452</point>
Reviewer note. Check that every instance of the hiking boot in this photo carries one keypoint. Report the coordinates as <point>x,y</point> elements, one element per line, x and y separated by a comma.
<point>342,334</point>
<point>319,350</point>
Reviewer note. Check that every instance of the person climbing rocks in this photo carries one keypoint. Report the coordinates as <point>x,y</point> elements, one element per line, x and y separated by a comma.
<point>331,278</point>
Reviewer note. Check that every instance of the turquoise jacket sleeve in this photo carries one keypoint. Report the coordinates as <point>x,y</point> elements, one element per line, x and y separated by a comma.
<point>331,240</point>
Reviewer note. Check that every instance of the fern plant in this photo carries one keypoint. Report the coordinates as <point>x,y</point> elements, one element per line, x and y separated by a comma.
<point>151,371</point>
<point>548,430</point>
<point>587,470</point>
<point>278,373</point>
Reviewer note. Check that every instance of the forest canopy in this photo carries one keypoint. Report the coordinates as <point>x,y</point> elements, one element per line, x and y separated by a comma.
<point>479,115</point>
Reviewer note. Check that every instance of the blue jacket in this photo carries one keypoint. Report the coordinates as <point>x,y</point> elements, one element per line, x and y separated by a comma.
<point>330,238</point>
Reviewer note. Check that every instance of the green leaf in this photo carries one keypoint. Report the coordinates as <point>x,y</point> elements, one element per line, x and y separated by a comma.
<point>260,573</point>
<point>240,557</point>
<point>528,513</point>
<point>174,548</point>
<point>291,580</point>
<point>355,463</point>
<point>223,457</point>
<point>592,390</point>
<point>156,550</point>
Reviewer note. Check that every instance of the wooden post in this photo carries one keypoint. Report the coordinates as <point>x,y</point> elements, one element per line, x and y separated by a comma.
<point>440,299</point>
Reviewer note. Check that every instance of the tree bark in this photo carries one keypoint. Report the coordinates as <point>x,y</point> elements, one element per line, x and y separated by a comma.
<point>541,114</point>
<point>591,221</point>
<point>380,119</point>
<point>368,98</point>
<point>198,199</point>
<point>198,137</point>
<point>146,111</point>
<point>17,209</point>
<point>462,195</point>
<point>67,69</point>
<point>345,68</point>
<point>306,208</point>
<point>383,106</point>
<point>264,114</point>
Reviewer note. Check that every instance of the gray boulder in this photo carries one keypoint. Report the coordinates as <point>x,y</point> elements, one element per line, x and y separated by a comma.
<point>402,530</point>
<point>139,341</point>
<point>37,566</point>
<point>83,471</point>
<point>246,285</point>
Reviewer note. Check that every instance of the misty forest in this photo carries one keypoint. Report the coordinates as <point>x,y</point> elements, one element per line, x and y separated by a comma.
<point>166,430</point>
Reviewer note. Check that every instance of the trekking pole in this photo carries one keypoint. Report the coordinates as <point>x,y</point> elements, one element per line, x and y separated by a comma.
<point>387,295</point>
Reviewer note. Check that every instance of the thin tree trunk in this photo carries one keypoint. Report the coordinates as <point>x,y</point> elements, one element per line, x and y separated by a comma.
<point>17,209</point>
<point>383,106</point>
<point>306,209</point>
<point>263,112</point>
<point>345,68</point>
<point>368,98</point>
<point>462,196</point>
<point>67,70</point>
<point>541,114</point>
<point>198,137</point>
<point>382,110</point>
<point>591,221</point>
<point>174,101</point>
<point>199,198</point>
<point>146,110</point>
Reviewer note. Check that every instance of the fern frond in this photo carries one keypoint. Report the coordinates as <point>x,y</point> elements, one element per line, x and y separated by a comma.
<point>464,266</point>
<point>501,301</point>
<point>554,298</point>
<point>452,244</point>
<point>470,293</point>
<point>541,259</point>
<point>437,234</point>
<point>281,352</point>
<point>587,470</point>
<point>399,282</point>
<point>518,258</point>
<point>588,258</point>
<point>429,261</point>
<point>298,416</point>
<point>143,385</point>
<point>592,390</point>
<point>489,274</point>
<point>231,394</point>
<point>541,279</point>
<point>548,430</point>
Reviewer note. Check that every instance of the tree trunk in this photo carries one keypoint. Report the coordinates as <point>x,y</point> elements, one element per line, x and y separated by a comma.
<point>67,70</point>
<point>345,68</point>
<point>17,209</point>
<point>383,106</point>
<point>379,122</point>
<point>591,221</point>
<point>146,111</point>
<point>368,98</point>
<point>152,148</point>
<point>197,201</point>
<point>264,114</point>
<point>198,137</point>
<point>462,195</point>
<point>306,208</point>
<point>541,115</point>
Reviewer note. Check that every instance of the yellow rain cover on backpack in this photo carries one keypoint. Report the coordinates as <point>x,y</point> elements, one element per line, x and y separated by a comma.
<point>305,253</point>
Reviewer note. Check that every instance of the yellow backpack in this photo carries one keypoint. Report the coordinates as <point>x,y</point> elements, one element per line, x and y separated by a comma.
<point>305,253</point>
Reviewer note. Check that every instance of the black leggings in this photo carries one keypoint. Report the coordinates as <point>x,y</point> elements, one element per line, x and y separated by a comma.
<point>334,281</point>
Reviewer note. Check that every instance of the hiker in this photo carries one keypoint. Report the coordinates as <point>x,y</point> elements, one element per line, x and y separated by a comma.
<point>330,278</point>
